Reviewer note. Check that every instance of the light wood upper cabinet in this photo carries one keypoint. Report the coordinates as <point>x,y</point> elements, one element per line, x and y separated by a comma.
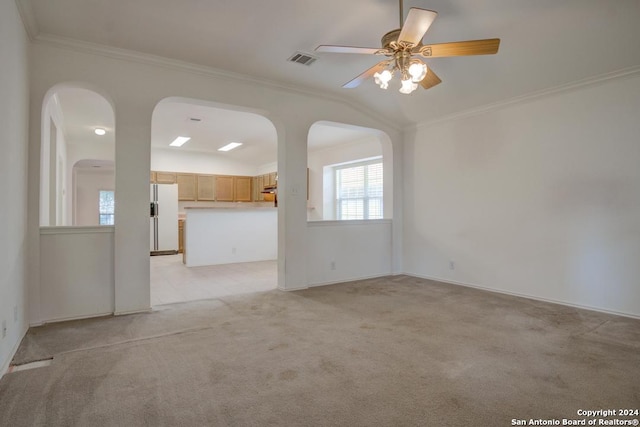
<point>258,186</point>
<point>243,188</point>
<point>165,177</point>
<point>224,188</point>
<point>206,187</point>
<point>270,179</point>
<point>186,186</point>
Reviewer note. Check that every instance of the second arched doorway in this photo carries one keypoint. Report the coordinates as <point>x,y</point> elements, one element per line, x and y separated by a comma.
<point>222,162</point>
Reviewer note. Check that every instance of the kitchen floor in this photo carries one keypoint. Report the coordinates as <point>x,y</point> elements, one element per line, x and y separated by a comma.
<point>172,281</point>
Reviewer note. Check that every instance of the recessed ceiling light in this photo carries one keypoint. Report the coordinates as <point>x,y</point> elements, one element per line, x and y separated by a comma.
<point>230,146</point>
<point>179,141</point>
<point>100,131</point>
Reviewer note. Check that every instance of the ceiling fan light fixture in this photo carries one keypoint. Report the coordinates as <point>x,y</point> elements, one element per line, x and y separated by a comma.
<point>402,47</point>
<point>417,71</point>
<point>408,86</point>
<point>382,79</point>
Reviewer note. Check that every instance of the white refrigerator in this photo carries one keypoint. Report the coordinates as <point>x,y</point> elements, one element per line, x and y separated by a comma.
<point>164,219</point>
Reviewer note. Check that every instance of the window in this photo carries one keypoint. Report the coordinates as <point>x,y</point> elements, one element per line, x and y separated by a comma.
<point>106,208</point>
<point>359,190</point>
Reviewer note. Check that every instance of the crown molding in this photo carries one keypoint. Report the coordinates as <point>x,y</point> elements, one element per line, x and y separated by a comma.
<point>544,93</point>
<point>174,64</point>
<point>28,18</point>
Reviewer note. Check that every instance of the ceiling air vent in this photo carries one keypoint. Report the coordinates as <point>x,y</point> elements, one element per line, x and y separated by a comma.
<point>302,58</point>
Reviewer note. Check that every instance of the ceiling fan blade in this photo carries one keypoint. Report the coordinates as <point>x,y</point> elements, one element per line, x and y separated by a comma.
<point>470,47</point>
<point>367,74</point>
<point>416,25</point>
<point>430,80</point>
<point>350,49</point>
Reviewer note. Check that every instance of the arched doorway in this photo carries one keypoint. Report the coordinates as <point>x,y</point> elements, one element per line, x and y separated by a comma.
<point>335,149</point>
<point>350,207</point>
<point>78,134</point>
<point>225,222</point>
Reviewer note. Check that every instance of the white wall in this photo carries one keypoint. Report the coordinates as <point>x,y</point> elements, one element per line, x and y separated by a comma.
<point>14,119</point>
<point>85,150</point>
<point>267,168</point>
<point>54,202</point>
<point>174,160</point>
<point>225,236</point>
<point>87,186</point>
<point>339,251</point>
<point>538,199</point>
<point>77,272</point>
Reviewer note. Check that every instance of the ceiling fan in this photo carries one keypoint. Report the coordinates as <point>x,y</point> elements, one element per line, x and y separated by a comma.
<point>403,48</point>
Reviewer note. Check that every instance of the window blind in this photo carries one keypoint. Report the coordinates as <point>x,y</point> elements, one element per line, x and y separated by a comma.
<point>359,191</point>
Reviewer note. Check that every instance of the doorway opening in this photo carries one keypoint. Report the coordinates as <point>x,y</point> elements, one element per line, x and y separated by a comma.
<point>350,173</point>
<point>212,209</point>
<point>77,153</point>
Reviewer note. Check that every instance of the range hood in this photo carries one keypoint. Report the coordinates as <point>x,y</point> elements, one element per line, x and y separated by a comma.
<point>271,194</point>
<point>270,189</point>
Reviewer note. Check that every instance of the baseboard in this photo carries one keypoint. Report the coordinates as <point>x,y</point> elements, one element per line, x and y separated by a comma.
<point>294,289</point>
<point>532,297</point>
<point>124,313</point>
<point>355,279</point>
<point>14,350</point>
<point>67,319</point>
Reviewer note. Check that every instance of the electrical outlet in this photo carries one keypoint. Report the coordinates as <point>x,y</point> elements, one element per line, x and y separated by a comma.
<point>452,265</point>
<point>15,313</point>
<point>333,265</point>
<point>4,328</point>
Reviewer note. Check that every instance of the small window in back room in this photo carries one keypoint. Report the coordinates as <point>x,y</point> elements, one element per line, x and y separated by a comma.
<point>359,190</point>
<point>107,207</point>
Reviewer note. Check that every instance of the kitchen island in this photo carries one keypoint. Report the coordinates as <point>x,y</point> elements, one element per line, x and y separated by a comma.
<point>225,235</point>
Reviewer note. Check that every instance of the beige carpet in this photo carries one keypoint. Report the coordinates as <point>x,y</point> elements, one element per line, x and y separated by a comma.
<point>384,352</point>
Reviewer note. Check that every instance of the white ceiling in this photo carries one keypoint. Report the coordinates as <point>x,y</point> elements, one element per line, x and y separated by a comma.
<point>545,43</point>
<point>217,127</point>
<point>82,112</point>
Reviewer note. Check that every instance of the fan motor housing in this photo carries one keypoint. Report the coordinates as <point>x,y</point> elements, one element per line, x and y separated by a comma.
<point>392,36</point>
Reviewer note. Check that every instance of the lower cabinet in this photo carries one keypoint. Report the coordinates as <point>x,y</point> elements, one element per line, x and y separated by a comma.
<point>181,236</point>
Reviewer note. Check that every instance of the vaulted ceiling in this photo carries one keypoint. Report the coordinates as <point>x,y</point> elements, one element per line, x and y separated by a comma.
<point>544,43</point>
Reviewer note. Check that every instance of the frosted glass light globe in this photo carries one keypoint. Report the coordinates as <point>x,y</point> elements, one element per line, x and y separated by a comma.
<point>408,86</point>
<point>382,79</point>
<point>418,71</point>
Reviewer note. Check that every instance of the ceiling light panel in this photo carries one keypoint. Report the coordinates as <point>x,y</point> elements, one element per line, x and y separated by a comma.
<point>230,146</point>
<point>179,141</point>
